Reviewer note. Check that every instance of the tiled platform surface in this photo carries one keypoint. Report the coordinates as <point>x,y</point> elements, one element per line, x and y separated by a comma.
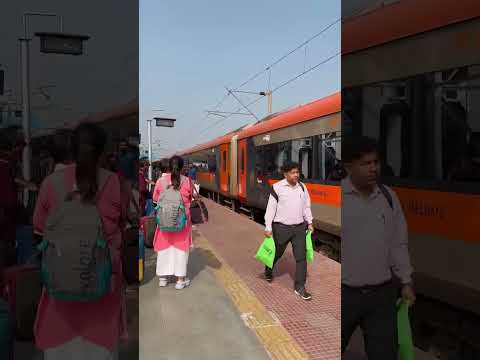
<point>314,325</point>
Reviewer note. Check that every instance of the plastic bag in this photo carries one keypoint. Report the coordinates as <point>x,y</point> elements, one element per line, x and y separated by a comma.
<point>309,246</point>
<point>266,252</point>
<point>405,342</point>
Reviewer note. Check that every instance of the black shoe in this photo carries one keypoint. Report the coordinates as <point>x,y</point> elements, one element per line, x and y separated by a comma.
<point>269,276</point>
<point>303,294</point>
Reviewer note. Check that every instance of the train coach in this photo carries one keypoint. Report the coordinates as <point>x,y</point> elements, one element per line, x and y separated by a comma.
<point>415,86</point>
<point>239,168</point>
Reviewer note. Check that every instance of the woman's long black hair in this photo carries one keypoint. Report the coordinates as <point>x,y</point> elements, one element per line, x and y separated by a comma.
<point>176,166</point>
<point>88,144</point>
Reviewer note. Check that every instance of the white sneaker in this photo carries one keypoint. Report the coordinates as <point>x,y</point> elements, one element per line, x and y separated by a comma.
<point>162,282</point>
<point>182,284</point>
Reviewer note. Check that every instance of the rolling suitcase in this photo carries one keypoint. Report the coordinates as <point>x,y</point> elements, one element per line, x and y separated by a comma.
<point>149,226</point>
<point>130,256</point>
<point>22,287</point>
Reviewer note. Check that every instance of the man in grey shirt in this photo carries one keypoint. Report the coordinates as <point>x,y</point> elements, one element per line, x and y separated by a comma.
<point>287,218</point>
<point>374,249</point>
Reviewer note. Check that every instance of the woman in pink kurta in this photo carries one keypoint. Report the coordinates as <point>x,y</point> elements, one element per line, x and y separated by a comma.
<point>65,329</point>
<point>173,247</point>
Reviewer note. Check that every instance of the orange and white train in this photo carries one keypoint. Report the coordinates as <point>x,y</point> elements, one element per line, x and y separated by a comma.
<point>239,168</point>
<point>415,86</point>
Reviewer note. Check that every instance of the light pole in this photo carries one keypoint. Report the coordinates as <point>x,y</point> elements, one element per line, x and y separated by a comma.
<point>72,44</point>
<point>150,177</point>
<point>159,122</point>
<point>268,94</point>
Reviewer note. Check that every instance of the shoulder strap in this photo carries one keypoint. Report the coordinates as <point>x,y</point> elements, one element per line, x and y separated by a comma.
<point>164,183</point>
<point>387,195</point>
<point>58,179</point>
<point>273,193</point>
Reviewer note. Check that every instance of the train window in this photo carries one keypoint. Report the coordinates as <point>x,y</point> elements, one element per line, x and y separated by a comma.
<point>329,156</point>
<point>301,153</point>
<point>205,161</point>
<point>259,161</point>
<point>429,131</point>
<point>224,161</point>
<point>270,159</point>
<point>211,163</point>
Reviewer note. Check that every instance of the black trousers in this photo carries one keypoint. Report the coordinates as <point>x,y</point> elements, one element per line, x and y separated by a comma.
<point>375,311</point>
<point>284,234</point>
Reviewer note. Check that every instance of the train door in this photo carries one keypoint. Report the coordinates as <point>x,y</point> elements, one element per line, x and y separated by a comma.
<point>233,183</point>
<point>224,168</point>
<point>242,170</point>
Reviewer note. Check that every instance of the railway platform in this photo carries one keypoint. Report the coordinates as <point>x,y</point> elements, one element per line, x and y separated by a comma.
<point>230,311</point>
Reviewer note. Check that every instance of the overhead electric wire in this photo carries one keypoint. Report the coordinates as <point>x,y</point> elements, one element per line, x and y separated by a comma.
<point>306,71</point>
<point>276,88</point>
<point>268,68</point>
<point>289,53</point>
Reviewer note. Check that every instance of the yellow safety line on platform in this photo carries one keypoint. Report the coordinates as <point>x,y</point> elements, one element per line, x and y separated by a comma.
<point>272,335</point>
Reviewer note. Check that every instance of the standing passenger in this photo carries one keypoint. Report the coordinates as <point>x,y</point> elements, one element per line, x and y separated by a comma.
<point>89,330</point>
<point>374,245</point>
<point>173,247</point>
<point>287,218</point>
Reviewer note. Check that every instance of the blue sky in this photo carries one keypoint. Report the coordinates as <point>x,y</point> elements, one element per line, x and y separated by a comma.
<point>191,50</point>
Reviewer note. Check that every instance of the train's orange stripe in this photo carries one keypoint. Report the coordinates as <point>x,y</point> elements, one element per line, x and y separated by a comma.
<point>325,194</point>
<point>206,177</point>
<point>449,215</point>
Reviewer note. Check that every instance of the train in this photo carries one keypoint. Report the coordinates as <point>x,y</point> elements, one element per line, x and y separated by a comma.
<point>238,169</point>
<point>415,87</point>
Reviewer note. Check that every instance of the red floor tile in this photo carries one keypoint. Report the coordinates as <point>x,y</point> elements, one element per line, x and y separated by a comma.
<point>315,324</point>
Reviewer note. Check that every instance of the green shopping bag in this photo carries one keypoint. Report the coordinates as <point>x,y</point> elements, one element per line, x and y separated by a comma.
<point>309,247</point>
<point>266,252</point>
<point>405,342</point>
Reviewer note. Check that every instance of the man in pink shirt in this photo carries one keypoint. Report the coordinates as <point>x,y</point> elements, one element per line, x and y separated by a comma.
<point>287,218</point>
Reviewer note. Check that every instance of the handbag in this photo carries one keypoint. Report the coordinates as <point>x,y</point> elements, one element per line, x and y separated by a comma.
<point>198,210</point>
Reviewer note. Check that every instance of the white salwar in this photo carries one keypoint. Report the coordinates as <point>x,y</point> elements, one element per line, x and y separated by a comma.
<point>172,261</point>
<point>80,349</point>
